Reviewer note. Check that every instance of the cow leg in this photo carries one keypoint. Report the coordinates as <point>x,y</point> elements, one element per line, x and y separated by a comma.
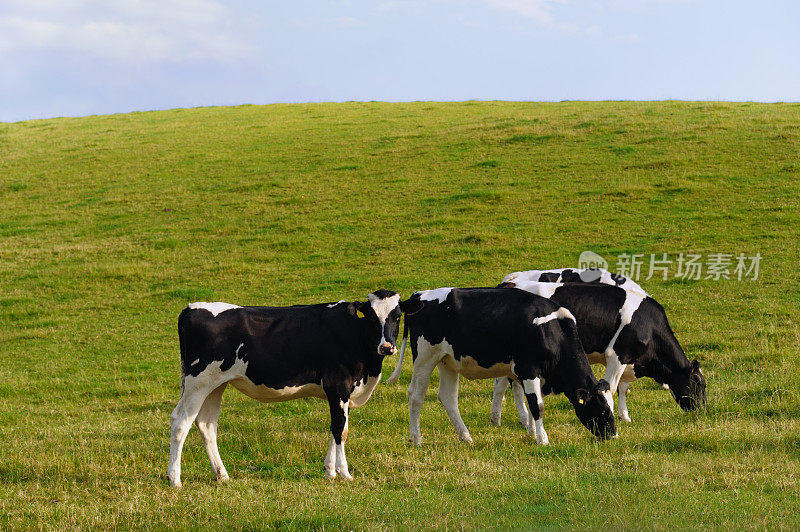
<point>336,461</point>
<point>420,380</point>
<point>533,392</point>
<point>519,400</point>
<point>192,399</point>
<point>622,408</point>
<point>614,369</point>
<point>448,395</point>
<point>498,396</point>
<point>207,422</point>
<point>627,379</point>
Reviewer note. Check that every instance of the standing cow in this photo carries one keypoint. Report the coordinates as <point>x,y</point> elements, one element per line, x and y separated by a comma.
<point>628,332</point>
<point>331,351</point>
<point>488,332</point>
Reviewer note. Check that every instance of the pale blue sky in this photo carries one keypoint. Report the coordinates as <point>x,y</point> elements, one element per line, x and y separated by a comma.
<point>80,57</point>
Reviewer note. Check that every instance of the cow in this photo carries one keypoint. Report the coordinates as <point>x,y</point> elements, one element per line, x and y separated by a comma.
<point>333,351</point>
<point>628,332</point>
<point>489,332</point>
<point>574,275</point>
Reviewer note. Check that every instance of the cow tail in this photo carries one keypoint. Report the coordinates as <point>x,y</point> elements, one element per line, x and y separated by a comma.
<point>181,342</point>
<point>396,373</point>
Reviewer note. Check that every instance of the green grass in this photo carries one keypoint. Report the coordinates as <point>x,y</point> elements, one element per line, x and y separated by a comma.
<point>110,225</point>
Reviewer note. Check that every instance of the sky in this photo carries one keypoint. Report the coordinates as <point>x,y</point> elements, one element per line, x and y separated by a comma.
<point>85,57</point>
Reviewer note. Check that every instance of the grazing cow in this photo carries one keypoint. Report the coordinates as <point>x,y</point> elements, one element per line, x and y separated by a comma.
<point>489,332</point>
<point>627,331</point>
<point>574,275</point>
<point>332,351</point>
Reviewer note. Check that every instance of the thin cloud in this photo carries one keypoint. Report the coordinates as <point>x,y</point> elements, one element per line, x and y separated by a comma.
<point>125,30</point>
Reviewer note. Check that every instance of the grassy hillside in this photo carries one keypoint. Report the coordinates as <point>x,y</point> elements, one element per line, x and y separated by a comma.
<point>109,225</point>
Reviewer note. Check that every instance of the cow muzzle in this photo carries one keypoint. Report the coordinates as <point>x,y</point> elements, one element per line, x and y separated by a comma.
<point>386,349</point>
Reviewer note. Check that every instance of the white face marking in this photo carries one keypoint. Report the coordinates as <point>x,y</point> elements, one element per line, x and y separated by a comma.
<point>438,294</point>
<point>214,308</point>
<point>195,362</point>
<point>337,303</point>
<point>238,348</point>
<point>383,306</point>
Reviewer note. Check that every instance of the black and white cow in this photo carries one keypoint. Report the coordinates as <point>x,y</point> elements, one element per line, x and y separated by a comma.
<point>331,351</point>
<point>574,275</point>
<point>628,332</point>
<point>489,332</point>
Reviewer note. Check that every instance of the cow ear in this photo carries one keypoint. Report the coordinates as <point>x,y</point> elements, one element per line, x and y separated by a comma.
<point>411,305</point>
<point>582,395</point>
<point>602,386</point>
<point>356,309</point>
<point>695,367</point>
<point>506,285</point>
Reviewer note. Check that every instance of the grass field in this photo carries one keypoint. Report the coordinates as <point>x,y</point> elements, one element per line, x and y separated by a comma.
<point>110,225</point>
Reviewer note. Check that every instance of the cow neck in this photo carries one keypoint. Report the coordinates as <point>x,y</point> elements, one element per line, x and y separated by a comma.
<point>667,361</point>
<point>574,372</point>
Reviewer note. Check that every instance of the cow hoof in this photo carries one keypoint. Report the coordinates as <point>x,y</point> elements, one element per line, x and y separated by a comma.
<point>416,440</point>
<point>466,438</point>
<point>175,484</point>
<point>523,424</point>
<point>223,479</point>
<point>330,475</point>
<point>544,440</point>
<point>494,419</point>
<point>345,475</point>
<point>625,417</point>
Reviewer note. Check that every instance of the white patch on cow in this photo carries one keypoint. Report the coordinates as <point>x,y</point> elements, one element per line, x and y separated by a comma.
<point>559,314</point>
<point>363,390</point>
<point>213,376</point>
<point>610,400</point>
<point>437,294</point>
<point>605,277</point>
<point>337,303</point>
<point>215,308</point>
<point>527,385</point>
<point>195,362</point>
<point>540,289</point>
<point>615,368</point>
<point>633,300</point>
<point>330,460</point>
<point>622,407</point>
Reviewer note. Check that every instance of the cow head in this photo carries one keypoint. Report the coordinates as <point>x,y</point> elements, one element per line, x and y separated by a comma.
<point>382,310</point>
<point>595,410</point>
<point>688,386</point>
